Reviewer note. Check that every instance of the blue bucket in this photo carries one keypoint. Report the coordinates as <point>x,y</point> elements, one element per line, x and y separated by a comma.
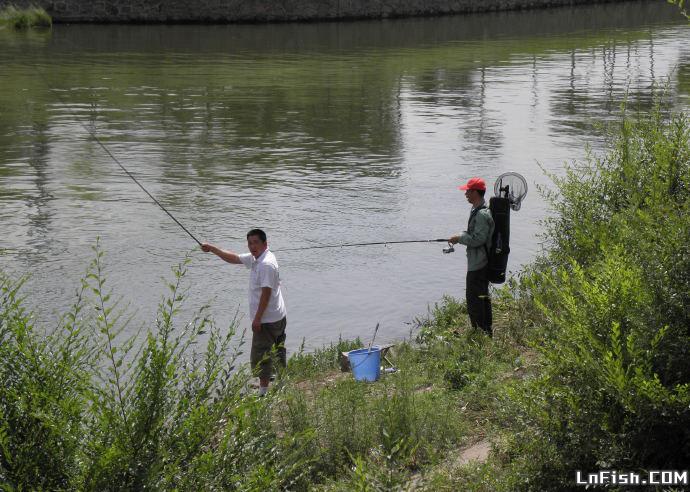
<point>365,364</point>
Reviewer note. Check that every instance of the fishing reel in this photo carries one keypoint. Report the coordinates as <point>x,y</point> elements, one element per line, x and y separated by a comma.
<point>449,249</point>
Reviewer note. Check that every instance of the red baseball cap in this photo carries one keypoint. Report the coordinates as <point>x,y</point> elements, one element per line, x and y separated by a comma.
<point>474,184</point>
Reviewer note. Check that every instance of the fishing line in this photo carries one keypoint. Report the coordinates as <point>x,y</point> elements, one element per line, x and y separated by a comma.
<point>107,151</point>
<point>349,245</point>
<point>117,161</point>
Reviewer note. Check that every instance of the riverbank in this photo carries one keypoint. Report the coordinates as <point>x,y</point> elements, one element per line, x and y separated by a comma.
<point>588,368</point>
<point>236,11</point>
<point>161,415</point>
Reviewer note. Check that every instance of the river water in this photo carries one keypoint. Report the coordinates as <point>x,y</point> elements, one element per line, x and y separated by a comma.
<point>319,133</point>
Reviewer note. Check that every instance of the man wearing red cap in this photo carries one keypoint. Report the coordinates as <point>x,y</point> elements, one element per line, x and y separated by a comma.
<point>477,238</point>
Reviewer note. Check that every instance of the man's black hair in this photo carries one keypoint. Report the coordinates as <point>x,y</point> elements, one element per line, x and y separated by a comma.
<point>481,193</point>
<point>257,232</point>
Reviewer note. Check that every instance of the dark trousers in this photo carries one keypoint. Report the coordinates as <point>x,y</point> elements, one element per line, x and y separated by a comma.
<point>478,300</point>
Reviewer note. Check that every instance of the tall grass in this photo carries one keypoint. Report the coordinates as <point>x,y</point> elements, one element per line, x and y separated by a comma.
<point>83,408</point>
<point>88,408</point>
<point>25,18</point>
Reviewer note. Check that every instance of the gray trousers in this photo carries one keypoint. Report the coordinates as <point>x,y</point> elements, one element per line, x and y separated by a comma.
<point>271,335</point>
<point>478,300</point>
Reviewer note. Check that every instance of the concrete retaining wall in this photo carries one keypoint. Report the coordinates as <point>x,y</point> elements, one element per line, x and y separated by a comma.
<point>223,11</point>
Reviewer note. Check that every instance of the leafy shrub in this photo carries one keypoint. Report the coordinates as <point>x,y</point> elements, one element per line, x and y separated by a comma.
<point>614,295</point>
<point>88,408</point>
<point>82,408</point>
<point>25,18</point>
<point>443,320</point>
<point>43,396</point>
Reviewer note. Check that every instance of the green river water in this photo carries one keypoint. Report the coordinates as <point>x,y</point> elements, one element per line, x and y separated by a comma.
<point>319,133</point>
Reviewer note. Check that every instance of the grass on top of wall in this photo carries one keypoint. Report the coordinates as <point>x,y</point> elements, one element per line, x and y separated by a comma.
<point>25,18</point>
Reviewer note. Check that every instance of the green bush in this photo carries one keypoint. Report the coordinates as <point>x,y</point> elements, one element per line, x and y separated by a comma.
<point>25,18</point>
<point>444,320</point>
<point>88,408</point>
<point>43,397</point>
<point>614,295</point>
<point>84,409</point>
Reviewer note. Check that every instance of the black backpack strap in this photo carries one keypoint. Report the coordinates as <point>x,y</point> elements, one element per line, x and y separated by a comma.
<point>472,214</point>
<point>486,249</point>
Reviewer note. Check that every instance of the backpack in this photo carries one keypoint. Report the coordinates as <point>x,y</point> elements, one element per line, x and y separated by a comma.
<point>500,240</point>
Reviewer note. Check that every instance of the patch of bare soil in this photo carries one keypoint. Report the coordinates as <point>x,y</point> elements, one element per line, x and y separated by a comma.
<point>477,452</point>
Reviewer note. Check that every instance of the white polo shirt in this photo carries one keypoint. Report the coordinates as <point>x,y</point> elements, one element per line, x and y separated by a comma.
<point>264,273</point>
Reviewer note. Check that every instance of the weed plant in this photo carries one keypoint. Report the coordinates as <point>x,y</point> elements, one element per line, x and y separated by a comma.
<point>303,365</point>
<point>25,18</point>
<point>86,407</point>
<point>391,427</point>
<point>83,408</point>
<point>614,295</point>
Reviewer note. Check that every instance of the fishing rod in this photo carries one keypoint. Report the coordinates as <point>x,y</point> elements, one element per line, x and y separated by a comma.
<point>349,245</point>
<point>107,151</point>
<point>110,154</point>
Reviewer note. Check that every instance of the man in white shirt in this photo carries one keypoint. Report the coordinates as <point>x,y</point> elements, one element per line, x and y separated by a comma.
<point>266,304</point>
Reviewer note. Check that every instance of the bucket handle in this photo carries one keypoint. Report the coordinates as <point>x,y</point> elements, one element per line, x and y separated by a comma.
<point>363,360</point>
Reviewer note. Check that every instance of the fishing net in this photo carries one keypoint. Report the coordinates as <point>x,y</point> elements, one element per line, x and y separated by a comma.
<point>513,187</point>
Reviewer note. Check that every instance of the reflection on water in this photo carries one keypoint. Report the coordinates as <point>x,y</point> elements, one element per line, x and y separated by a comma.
<point>319,133</point>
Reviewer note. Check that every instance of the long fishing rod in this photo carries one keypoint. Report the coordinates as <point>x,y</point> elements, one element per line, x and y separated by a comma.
<point>349,245</point>
<point>107,151</point>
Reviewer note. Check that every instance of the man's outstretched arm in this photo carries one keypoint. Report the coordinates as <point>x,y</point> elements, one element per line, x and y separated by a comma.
<point>229,256</point>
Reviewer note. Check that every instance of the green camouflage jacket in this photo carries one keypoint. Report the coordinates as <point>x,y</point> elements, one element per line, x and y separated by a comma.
<point>477,237</point>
